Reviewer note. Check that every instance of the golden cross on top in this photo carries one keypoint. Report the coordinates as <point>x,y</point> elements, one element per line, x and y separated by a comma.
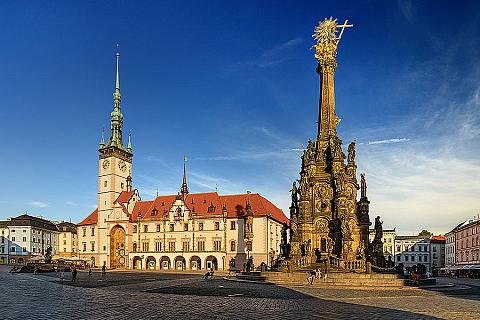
<point>343,26</point>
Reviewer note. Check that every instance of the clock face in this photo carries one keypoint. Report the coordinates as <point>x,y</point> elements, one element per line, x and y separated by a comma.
<point>106,164</point>
<point>122,165</point>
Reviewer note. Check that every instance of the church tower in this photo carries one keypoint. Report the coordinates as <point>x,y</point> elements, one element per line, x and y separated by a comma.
<point>326,222</point>
<point>115,160</point>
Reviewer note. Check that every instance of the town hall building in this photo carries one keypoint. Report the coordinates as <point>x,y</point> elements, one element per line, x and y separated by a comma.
<point>184,231</point>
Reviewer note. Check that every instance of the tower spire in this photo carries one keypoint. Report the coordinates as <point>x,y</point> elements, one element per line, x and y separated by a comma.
<point>184,190</point>
<point>117,77</point>
<point>102,141</point>
<point>129,145</point>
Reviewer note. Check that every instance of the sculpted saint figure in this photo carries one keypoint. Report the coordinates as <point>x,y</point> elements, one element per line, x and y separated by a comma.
<point>351,152</point>
<point>378,229</point>
<point>363,186</point>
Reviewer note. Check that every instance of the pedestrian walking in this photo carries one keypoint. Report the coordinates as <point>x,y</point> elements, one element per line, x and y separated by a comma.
<point>62,274</point>
<point>89,271</point>
<point>104,271</point>
<point>74,274</point>
<point>312,276</point>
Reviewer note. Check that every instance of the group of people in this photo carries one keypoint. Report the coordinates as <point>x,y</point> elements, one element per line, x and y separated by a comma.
<point>316,274</point>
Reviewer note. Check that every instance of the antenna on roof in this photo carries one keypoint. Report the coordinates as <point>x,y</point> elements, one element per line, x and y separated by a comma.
<point>157,192</point>
<point>216,187</point>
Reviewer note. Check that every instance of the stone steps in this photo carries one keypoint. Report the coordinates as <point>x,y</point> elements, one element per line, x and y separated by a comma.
<point>338,279</point>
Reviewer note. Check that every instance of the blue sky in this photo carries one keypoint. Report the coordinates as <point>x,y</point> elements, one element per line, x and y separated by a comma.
<point>233,86</point>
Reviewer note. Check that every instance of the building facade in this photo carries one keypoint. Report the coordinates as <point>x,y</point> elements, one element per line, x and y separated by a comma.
<point>4,242</point>
<point>467,242</point>
<point>450,249</point>
<point>412,250</point>
<point>68,240</point>
<point>437,253</point>
<point>185,231</point>
<point>26,237</point>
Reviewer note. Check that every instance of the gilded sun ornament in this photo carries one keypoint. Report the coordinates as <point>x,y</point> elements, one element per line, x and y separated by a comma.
<point>326,30</point>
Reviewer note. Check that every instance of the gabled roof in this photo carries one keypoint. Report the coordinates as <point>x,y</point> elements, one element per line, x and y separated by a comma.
<point>438,238</point>
<point>125,196</point>
<point>260,207</point>
<point>27,220</point>
<point>91,219</point>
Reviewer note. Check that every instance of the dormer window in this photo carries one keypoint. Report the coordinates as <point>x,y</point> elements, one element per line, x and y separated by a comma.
<point>163,204</point>
<point>211,208</point>
<point>154,212</point>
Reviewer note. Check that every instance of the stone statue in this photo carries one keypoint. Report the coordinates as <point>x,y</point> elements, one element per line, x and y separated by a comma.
<point>302,249</point>
<point>351,152</point>
<point>363,186</point>
<point>294,192</point>
<point>378,229</point>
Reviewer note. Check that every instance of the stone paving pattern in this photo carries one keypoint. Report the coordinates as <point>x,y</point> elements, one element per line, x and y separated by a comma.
<point>148,295</point>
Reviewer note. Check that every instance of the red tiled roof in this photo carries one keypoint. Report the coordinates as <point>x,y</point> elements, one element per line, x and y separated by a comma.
<point>234,204</point>
<point>438,238</point>
<point>125,196</point>
<point>91,219</point>
<point>261,207</point>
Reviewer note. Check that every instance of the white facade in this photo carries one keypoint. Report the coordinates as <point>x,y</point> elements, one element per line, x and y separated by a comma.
<point>412,250</point>
<point>4,242</point>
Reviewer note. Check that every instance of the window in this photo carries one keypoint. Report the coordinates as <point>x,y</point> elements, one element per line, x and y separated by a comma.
<point>24,239</point>
<point>158,246</point>
<point>13,239</point>
<point>134,229</point>
<point>33,250</point>
<point>146,246</point>
<point>64,242</point>
<point>406,258</point>
<point>145,228</point>
<point>201,245</point>
<point>200,226</point>
<point>233,225</point>
<point>93,245</point>
<point>185,227</point>
<point>398,258</point>
<point>84,246</point>
<point>13,249</point>
<point>64,235</point>
<point>172,227</point>
<point>186,246</point>
<point>84,230</point>
<point>121,185</point>
<point>93,231</point>
<point>211,208</point>
<point>434,249</point>
<point>24,249</point>
<point>217,225</point>
<point>171,246</point>
<point>233,246</point>
<point>217,245</point>
<point>134,247</point>
<point>158,227</point>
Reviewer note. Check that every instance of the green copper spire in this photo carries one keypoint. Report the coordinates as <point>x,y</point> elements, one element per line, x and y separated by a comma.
<point>102,141</point>
<point>129,146</point>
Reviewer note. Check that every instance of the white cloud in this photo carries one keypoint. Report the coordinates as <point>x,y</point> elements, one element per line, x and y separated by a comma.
<point>388,141</point>
<point>38,204</point>
<point>70,203</point>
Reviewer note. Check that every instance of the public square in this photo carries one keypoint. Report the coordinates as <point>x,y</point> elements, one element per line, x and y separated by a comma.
<point>154,295</point>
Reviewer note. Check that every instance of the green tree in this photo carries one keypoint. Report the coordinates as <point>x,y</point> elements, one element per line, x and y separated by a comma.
<point>425,233</point>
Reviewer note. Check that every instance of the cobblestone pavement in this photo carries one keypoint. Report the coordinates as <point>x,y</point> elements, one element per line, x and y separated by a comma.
<point>128,295</point>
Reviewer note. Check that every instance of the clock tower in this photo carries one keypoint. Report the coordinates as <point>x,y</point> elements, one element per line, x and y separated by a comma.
<point>115,161</point>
